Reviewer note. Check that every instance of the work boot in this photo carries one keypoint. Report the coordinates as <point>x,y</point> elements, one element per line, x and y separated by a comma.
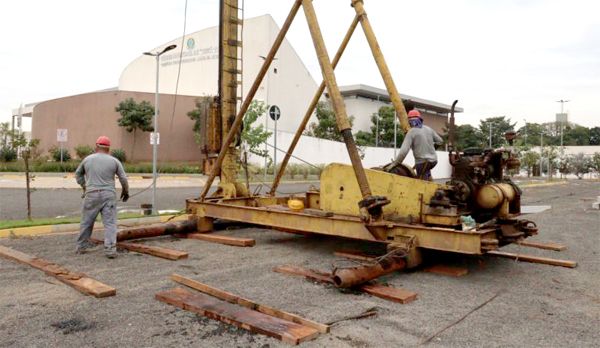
<point>110,252</point>
<point>85,247</point>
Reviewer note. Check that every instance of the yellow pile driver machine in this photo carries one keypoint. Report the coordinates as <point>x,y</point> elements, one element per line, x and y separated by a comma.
<point>473,213</point>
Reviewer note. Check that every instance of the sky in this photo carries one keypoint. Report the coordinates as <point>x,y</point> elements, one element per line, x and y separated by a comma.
<point>498,58</point>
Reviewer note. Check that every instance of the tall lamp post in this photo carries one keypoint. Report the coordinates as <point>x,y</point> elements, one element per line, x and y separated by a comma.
<point>562,121</point>
<point>155,135</point>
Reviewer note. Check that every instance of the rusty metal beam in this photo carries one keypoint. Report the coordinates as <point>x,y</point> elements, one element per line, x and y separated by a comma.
<point>336,99</point>
<point>157,230</point>
<point>381,64</point>
<point>444,239</point>
<point>349,277</point>
<point>251,93</point>
<point>311,107</point>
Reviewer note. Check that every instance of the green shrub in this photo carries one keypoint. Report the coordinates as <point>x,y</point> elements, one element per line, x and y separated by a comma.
<point>119,154</point>
<point>56,151</point>
<point>8,154</point>
<point>83,151</point>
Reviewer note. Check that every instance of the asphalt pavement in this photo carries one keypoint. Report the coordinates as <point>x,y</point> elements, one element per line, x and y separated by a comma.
<point>53,202</point>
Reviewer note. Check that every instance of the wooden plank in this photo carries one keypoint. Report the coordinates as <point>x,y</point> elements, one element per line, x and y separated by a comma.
<point>447,270</point>
<point>354,255</point>
<point>78,281</point>
<point>169,254</point>
<point>383,291</point>
<point>231,298</point>
<point>389,293</point>
<point>241,242</point>
<point>534,259</point>
<point>239,316</point>
<point>310,274</point>
<point>541,245</point>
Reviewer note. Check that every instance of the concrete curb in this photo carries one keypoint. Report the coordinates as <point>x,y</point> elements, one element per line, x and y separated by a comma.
<point>74,227</point>
<point>544,184</point>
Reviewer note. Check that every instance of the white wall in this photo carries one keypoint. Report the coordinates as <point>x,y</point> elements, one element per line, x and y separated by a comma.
<point>321,151</point>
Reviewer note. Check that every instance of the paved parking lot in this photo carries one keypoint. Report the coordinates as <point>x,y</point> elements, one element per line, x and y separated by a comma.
<point>529,304</point>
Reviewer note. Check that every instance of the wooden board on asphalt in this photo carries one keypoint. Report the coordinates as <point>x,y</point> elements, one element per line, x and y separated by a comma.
<point>389,293</point>
<point>78,281</point>
<point>231,298</point>
<point>451,271</point>
<point>169,254</point>
<point>534,259</point>
<point>213,238</point>
<point>239,316</point>
<point>543,245</point>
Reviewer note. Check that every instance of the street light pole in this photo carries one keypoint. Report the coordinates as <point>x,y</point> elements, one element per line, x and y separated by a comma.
<point>562,111</point>
<point>155,133</point>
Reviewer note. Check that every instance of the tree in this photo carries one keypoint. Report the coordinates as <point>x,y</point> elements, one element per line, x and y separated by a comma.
<point>326,125</point>
<point>529,159</point>
<point>199,115</point>
<point>595,136</point>
<point>550,154</point>
<point>465,136</point>
<point>595,163</point>
<point>574,134</point>
<point>580,165</point>
<point>499,125</point>
<point>255,136</point>
<point>27,147</point>
<point>135,116</point>
<point>5,133</point>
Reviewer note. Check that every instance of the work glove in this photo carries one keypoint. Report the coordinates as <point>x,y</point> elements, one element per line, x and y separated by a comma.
<point>124,196</point>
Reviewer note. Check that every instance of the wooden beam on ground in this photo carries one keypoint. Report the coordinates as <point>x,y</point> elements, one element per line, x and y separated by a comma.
<point>540,245</point>
<point>78,281</point>
<point>382,291</point>
<point>451,271</point>
<point>354,255</point>
<point>534,259</point>
<point>169,254</point>
<point>389,293</point>
<point>231,298</point>
<point>310,274</point>
<point>239,316</point>
<point>213,238</point>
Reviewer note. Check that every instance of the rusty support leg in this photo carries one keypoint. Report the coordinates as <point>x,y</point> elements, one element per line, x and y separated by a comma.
<point>251,93</point>
<point>311,108</point>
<point>340,112</point>
<point>381,64</point>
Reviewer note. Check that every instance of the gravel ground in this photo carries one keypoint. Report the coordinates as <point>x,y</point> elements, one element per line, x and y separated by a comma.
<point>535,305</point>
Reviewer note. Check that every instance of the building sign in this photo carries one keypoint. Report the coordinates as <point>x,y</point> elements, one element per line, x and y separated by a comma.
<point>154,138</point>
<point>190,43</point>
<point>562,118</point>
<point>61,135</point>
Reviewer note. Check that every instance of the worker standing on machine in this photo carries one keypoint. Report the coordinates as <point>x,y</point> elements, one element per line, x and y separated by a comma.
<point>422,140</point>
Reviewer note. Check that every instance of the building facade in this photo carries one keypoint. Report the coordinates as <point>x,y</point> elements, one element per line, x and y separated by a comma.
<point>288,84</point>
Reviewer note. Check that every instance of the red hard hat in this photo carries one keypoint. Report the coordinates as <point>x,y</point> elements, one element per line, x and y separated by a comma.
<point>103,141</point>
<point>414,113</point>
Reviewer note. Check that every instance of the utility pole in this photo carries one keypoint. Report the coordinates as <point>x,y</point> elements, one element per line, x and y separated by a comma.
<point>562,111</point>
